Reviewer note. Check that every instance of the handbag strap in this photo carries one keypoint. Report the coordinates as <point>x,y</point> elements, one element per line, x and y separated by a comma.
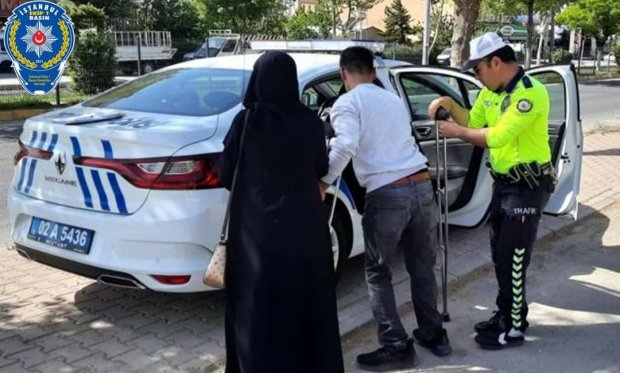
<point>224,235</point>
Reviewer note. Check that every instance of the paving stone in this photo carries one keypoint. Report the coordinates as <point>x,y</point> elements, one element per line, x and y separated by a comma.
<point>71,353</point>
<point>99,363</point>
<point>52,342</point>
<point>150,343</point>
<point>110,348</point>
<point>13,345</point>
<point>30,357</point>
<point>136,359</point>
<point>54,366</point>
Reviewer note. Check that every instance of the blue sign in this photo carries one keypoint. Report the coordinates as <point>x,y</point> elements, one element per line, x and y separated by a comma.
<point>39,39</point>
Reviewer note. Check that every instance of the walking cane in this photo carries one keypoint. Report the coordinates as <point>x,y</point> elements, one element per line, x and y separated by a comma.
<point>332,210</point>
<point>442,205</point>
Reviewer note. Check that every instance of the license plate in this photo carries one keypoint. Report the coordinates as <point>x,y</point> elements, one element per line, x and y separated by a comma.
<point>61,235</point>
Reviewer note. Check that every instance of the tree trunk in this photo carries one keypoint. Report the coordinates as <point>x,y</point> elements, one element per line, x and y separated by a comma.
<point>530,33</point>
<point>541,41</point>
<point>437,24</point>
<point>466,15</point>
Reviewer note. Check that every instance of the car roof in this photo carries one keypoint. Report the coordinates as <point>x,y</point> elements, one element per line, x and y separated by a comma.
<point>308,64</point>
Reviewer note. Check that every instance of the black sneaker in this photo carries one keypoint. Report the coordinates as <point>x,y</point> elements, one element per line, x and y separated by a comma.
<point>493,324</point>
<point>498,339</point>
<point>386,359</point>
<point>437,342</point>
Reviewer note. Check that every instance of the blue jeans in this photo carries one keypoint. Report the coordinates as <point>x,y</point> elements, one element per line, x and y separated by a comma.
<point>406,217</point>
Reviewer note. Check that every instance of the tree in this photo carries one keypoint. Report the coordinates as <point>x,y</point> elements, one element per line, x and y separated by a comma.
<point>597,18</point>
<point>309,24</point>
<point>442,27</point>
<point>93,61</point>
<point>397,24</point>
<point>466,14</point>
<point>243,16</point>
<point>113,8</point>
<point>180,17</point>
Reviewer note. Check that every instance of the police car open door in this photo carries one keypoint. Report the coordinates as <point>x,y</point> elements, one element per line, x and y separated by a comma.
<point>565,135</point>
<point>469,184</point>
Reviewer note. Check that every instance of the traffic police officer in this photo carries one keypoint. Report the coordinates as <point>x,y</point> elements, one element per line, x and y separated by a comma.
<point>510,117</point>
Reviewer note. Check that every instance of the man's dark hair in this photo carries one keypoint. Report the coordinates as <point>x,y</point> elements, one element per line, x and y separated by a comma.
<point>357,60</point>
<point>506,54</point>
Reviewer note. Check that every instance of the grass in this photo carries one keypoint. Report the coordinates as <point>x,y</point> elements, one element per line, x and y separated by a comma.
<point>23,100</point>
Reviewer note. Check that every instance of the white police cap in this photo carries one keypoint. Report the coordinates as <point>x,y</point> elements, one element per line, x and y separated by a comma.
<point>481,47</point>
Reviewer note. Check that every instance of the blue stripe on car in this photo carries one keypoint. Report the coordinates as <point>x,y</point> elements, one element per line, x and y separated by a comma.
<point>33,165</point>
<point>33,139</point>
<point>22,174</point>
<point>347,193</point>
<point>43,140</point>
<point>107,149</point>
<point>53,143</point>
<point>88,201</point>
<point>118,193</point>
<point>103,199</point>
<point>77,152</point>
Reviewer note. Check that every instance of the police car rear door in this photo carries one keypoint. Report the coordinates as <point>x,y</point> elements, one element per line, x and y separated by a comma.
<point>469,183</point>
<point>565,135</point>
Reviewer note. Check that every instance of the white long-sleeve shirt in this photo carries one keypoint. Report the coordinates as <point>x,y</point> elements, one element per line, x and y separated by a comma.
<point>372,128</point>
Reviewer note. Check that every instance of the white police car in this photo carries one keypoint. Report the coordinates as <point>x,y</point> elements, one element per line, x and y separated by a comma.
<point>121,188</point>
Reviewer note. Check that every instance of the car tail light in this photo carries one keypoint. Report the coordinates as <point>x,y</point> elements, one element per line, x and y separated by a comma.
<point>26,151</point>
<point>196,172</point>
<point>172,280</point>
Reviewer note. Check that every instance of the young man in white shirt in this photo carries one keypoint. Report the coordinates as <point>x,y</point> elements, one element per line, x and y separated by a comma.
<point>373,131</point>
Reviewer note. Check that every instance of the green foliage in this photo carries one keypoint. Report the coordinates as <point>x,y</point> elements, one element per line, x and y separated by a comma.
<point>616,52</point>
<point>21,99</point>
<point>598,18</point>
<point>562,56</point>
<point>86,16</point>
<point>442,28</point>
<point>180,17</point>
<point>92,63</point>
<point>112,8</point>
<point>397,24</point>
<point>243,16</point>
<point>303,25</point>
<point>407,53</point>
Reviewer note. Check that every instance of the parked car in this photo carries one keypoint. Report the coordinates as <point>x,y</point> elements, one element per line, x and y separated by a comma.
<point>123,188</point>
<point>443,58</point>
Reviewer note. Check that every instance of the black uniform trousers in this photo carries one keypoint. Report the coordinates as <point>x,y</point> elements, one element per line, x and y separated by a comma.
<point>515,213</point>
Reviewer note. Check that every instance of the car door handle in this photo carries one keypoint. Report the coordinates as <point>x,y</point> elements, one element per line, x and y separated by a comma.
<point>423,131</point>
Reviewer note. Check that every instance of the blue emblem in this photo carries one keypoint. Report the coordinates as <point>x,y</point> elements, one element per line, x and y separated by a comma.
<point>39,38</point>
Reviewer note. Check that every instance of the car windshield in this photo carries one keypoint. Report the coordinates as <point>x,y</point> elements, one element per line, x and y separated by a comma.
<point>194,92</point>
<point>445,51</point>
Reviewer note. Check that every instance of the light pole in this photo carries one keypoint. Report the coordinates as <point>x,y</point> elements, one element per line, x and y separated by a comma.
<point>427,27</point>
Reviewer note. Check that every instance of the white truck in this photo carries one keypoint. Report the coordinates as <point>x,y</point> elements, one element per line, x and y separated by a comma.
<point>153,48</point>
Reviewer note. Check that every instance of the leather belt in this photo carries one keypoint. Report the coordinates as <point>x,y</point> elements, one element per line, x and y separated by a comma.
<point>416,178</point>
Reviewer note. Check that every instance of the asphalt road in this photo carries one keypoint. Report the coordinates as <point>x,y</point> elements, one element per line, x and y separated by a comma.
<point>599,104</point>
<point>574,302</point>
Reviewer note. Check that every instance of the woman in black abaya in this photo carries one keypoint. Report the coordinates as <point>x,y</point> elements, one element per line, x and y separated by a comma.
<point>281,312</point>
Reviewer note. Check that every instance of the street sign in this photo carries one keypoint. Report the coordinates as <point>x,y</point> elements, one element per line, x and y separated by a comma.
<point>507,30</point>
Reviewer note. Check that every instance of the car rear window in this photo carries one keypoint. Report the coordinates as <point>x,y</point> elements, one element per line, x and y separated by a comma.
<point>193,92</point>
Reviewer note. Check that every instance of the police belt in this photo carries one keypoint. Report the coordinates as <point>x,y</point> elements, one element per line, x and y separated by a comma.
<point>529,174</point>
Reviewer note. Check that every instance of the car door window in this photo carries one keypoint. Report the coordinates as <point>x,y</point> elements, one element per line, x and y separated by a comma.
<point>422,89</point>
<point>557,99</point>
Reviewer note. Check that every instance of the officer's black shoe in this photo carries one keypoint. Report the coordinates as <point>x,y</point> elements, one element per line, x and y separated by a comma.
<point>437,342</point>
<point>386,359</point>
<point>492,324</point>
<point>498,339</point>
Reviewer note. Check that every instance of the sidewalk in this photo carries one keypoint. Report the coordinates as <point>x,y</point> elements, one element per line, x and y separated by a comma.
<point>51,321</point>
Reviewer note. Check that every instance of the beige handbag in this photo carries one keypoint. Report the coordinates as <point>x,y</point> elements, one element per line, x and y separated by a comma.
<point>215,274</point>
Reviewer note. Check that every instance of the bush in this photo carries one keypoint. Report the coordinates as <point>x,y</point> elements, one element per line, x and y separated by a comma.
<point>562,56</point>
<point>616,52</point>
<point>92,64</point>
<point>407,53</point>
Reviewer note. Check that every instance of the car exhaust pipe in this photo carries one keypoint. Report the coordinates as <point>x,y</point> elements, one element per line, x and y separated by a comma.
<point>120,282</point>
